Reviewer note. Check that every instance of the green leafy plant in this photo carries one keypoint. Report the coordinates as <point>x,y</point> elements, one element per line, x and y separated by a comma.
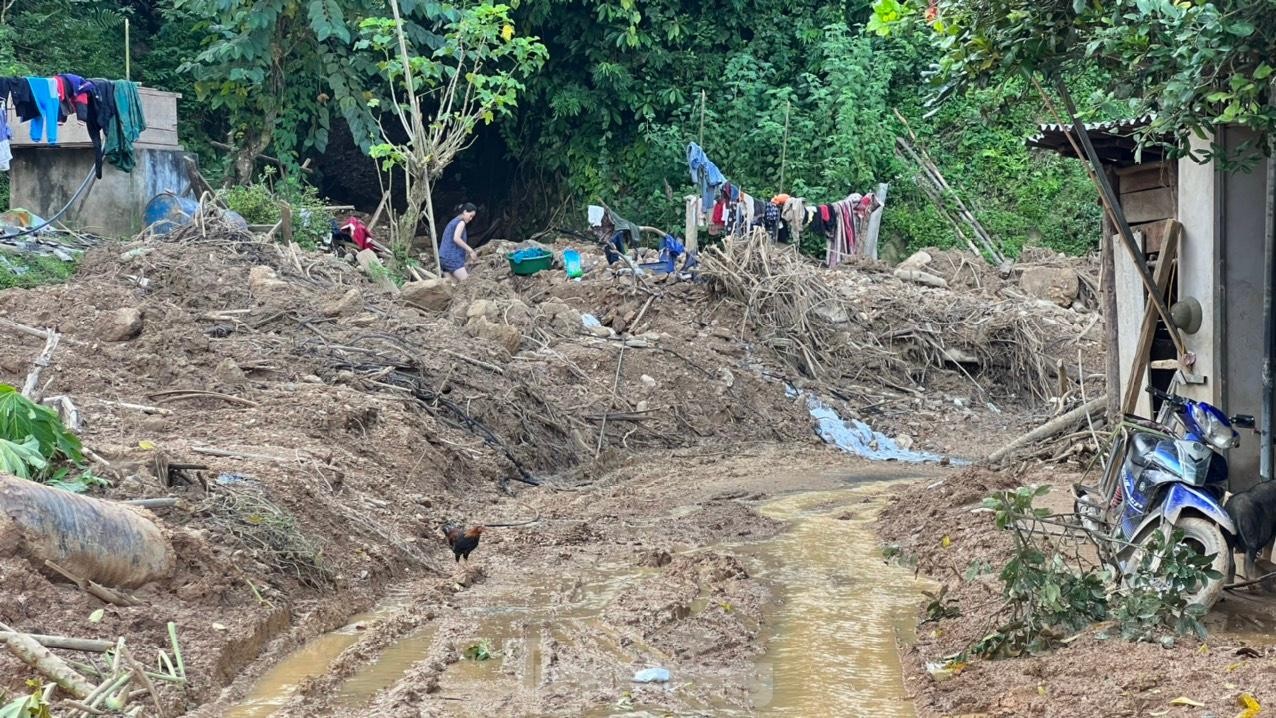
<point>20,419</point>
<point>1049,595</point>
<point>474,76</point>
<point>77,481</point>
<point>940,606</point>
<point>480,651</point>
<point>1154,598</point>
<point>21,459</point>
<point>263,203</point>
<point>31,705</point>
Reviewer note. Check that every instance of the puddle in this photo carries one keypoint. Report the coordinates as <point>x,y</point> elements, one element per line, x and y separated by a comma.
<point>832,647</point>
<point>312,659</point>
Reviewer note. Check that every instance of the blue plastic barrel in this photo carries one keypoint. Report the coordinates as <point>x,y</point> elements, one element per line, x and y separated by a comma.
<point>167,211</point>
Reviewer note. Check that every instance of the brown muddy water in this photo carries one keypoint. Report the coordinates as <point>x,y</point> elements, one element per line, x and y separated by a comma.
<point>831,634</point>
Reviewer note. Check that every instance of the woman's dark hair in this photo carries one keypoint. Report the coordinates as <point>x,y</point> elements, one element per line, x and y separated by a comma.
<point>466,207</point>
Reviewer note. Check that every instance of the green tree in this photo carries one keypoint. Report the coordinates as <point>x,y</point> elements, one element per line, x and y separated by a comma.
<point>281,69</point>
<point>474,75</point>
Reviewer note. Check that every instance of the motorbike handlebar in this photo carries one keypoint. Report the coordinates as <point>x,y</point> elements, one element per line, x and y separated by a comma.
<point>1176,401</point>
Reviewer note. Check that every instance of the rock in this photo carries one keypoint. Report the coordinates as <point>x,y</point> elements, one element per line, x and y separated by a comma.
<point>502,334</point>
<point>434,295</point>
<point>1055,284</point>
<point>832,313</point>
<point>262,280</point>
<point>229,373</point>
<point>601,332</point>
<point>915,262</point>
<point>371,265</point>
<point>642,406</point>
<point>648,381</point>
<point>726,377</point>
<point>477,308</point>
<point>920,277</point>
<point>904,441</point>
<point>350,303</point>
<point>120,325</point>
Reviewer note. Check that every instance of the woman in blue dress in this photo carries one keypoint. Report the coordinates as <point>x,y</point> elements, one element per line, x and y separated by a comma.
<point>454,247</point>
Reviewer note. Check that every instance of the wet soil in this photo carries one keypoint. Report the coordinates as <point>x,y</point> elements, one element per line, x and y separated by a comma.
<point>739,586</point>
<point>933,525</point>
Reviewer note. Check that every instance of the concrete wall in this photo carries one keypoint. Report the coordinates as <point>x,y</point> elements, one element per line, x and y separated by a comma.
<point>1199,203</point>
<point>1241,312</point>
<point>43,179</point>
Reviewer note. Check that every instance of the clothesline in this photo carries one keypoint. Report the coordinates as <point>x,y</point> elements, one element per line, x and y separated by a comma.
<point>111,110</point>
<point>845,224</point>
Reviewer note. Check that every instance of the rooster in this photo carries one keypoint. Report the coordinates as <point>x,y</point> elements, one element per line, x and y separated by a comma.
<point>462,540</point>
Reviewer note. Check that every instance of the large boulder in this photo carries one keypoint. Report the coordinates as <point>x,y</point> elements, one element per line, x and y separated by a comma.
<point>350,303</point>
<point>1055,284</point>
<point>434,295</point>
<point>502,334</point>
<point>120,325</point>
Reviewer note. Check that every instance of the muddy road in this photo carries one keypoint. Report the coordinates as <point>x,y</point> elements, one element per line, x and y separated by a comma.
<point>755,579</point>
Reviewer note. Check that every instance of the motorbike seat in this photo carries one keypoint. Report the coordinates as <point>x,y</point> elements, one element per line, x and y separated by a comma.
<point>1143,446</point>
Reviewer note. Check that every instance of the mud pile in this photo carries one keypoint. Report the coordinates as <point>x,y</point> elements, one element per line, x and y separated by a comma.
<point>339,423</point>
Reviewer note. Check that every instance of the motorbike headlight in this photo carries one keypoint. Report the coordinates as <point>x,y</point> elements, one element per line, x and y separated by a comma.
<point>1216,432</point>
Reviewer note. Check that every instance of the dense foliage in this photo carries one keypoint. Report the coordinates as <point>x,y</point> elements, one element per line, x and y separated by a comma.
<point>609,115</point>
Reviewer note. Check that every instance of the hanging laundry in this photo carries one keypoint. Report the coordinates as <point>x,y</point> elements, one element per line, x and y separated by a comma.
<point>44,92</point>
<point>6,152</point>
<point>794,216</point>
<point>704,174</point>
<point>128,126</point>
<point>19,90</point>
<point>101,112</point>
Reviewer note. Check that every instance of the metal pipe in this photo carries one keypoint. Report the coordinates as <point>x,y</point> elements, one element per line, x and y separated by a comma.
<point>1265,447</point>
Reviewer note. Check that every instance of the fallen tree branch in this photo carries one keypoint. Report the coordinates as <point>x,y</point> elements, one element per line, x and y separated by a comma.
<point>95,589</point>
<point>180,394</point>
<point>33,378</point>
<point>1052,427</point>
<point>30,652</point>
<point>85,645</point>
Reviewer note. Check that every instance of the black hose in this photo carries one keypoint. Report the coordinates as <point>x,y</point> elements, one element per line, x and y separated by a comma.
<point>32,230</point>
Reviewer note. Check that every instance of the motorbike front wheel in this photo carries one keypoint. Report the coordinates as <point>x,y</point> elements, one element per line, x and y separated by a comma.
<point>1205,537</point>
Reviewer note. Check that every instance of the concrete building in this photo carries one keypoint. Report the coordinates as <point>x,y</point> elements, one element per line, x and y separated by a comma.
<point>1218,267</point>
<point>44,177</point>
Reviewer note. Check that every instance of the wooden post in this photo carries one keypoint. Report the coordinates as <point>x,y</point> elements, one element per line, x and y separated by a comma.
<point>784,147</point>
<point>693,223</point>
<point>1161,282</point>
<point>1111,328</point>
<point>1118,215</point>
<point>128,53</point>
<point>285,223</point>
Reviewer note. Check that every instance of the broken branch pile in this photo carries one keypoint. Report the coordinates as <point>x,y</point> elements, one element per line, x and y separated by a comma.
<point>859,326</point>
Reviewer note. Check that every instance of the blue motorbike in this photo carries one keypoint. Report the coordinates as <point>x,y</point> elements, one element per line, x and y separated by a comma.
<point>1161,478</point>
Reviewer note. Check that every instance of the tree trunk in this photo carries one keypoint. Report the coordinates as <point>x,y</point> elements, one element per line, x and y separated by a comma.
<point>429,219</point>
<point>417,194</point>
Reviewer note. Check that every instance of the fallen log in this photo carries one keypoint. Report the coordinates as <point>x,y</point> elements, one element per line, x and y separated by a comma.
<point>1052,427</point>
<point>100,541</point>
<point>30,652</point>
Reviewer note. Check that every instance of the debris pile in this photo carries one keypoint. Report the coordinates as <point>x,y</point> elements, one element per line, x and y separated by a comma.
<point>306,429</point>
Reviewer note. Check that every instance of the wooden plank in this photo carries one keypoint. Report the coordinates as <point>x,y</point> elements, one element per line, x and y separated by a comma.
<point>1144,177</point>
<point>692,223</point>
<point>1139,361</point>
<point>1149,205</point>
<point>1154,234</point>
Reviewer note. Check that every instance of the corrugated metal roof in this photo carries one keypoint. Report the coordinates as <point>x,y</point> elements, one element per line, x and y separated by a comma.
<point>1114,140</point>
